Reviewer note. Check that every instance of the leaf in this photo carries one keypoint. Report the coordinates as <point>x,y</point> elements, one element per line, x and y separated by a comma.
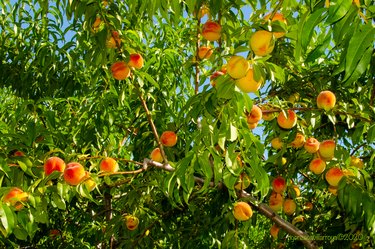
<point>338,11</point>
<point>58,201</point>
<point>7,219</point>
<point>312,21</point>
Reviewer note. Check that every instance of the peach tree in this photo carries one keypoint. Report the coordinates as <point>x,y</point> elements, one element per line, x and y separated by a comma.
<point>269,109</point>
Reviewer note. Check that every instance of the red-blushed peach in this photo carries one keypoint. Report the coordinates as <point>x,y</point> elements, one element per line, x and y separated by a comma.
<point>109,165</point>
<point>211,31</point>
<point>168,138</point>
<point>205,52</point>
<point>54,164</point>
<point>96,25</point>
<point>277,143</point>
<point>54,233</point>
<point>242,211</point>
<point>287,122</point>
<point>308,206</point>
<point>326,100</point>
<point>255,115</point>
<point>248,84</point>
<point>156,155</point>
<point>279,184</point>
<point>317,166</point>
<point>298,141</point>
<point>252,126</point>
<point>237,67</point>
<point>136,61</point>
<point>327,149</point>
<point>333,176</point>
<point>243,182</point>
<point>332,190</point>
<point>276,201</point>
<point>74,173</point>
<point>262,42</point>
<point>15,197</point>
<point>274,231</point>
<point>18,153</point>
<point>276,17</point>
<point>356,162</point>
<point>131,222</point>
<point>311,145</point>
<point>214,76</point>
<point>120,70</point>
<point>113,40</point>
<point>289,206</point>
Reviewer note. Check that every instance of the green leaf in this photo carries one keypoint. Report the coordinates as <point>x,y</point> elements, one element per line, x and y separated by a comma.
<point>7,219</point>
<point>312,21</point>
<point>338,10</point>
<point>57,201</point>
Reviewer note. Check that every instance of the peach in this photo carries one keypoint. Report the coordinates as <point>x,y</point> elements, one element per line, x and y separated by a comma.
<point>243,182</point>
<point>289,206</point>
<point>74,173</point>
<point>252,126</point>
<point>274,231</point>
<point>277,17</point>
<point>311,145</point>
<point>237,67</point>
<point>248,84</point>
<point>120,70</point>
<point>276,201</point>
<point>287,122</point>
<point>54,233</point>
<point>308,206</point>
<point>214,76</point>
<point>205,52</point>
<point>156,155</point>
<point>279,184</point>
<point>356,162</point>
<point>266,114</point>
<point>242,211</point>
<point>298,141</point>
<point>136,61</point>
<point>204,10</point>
<point>54,164</point>
<point>109,165</point>
<point>332,190</point>
<point>326,100</point>
<point>89,182</point>
<point>333,176</point>
<point>96,25</point>
<point>262,42</point>
<point>15,197</point>
<point>297,190</point>
<point>317,166</point>
<point>131,222</point>
<point>277,143</point>
<point>255,115</point>
<point>327,149</point>
<point>113,40</point>
<point>19,153</point>
<point>211,31</point>
<point>168,138</point>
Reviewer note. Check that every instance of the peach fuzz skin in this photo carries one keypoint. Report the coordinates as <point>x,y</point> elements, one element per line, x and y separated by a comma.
<point>326,100</point>
<point>248,84</point>
<point>156,155</point>
<point>333,176</point>
<point>113,40</point>
<point>131,222</point>
<point>279,184</point>
<point>237,67</point>
<point>255,115</point>
<point>311,145</point>
<point>54,164</point>
<point>327,149</point>
<point>261,43</point>
<point>289,206</point>
<point>204,52</point>
<point>136,61</point>
<point>276,143</point>
<point>298,141</point>
<point>287,122</point>
<point>317,166</point>
<point>276,201</point>
<point>168,138</point>
<point>120,70</point>
<point>242,211</point>
<point>74,173</point>
<point>211,31</point>
<point>109,165</point>
<point>14,197</point>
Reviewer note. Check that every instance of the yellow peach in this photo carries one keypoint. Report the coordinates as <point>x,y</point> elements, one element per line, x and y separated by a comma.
<point>276,201</point>
<point>242,211</point>
<point>356,162</point>
<point>333,176</point>
<point>74,173</point>
<point>243,182</point>
<point>214,76</point>
<point>131,222</point>
<point>287,122</point>
<point>237,67</point>
<point>248,84</point>
<point>255,115</point>
<point>289,206</point>
<point>156,155</point>
<point>120,70</point>
<point>15,197</point>
<point>54,164</point>
<point>274,231</point>
<point>136,61</point>
<point>276,17</point>
<point>279,184</point>
<point>327,149</point>
<point>211,31</point>
<point>114,40</point>
<point>252,126</point>
<point>311,145</point>
<point>205,52</point>
<point>308,206</point>
<point>326,100</point>
<point>109,165</point>
<point>332,190</point>
<point>317,166</point>
<point>262,42</point>
<point>168,138</point>
<point>298,141</point>
<point>277,143</point>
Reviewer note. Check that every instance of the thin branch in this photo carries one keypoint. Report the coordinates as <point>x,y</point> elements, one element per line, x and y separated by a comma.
<point>196,89</point>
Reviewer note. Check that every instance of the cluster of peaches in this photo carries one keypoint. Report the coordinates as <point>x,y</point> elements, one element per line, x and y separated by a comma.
<point>167,139</point>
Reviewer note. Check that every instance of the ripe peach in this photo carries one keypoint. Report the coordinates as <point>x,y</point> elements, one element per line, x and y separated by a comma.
<point>18,153</point>
<point>205,52</point>
<point>136,61</point>
<point>277,17</point>
<point>276,201</point>
<point>54,233</point>
<point>274,231</point>
<point>333,176</point>
<point>287,122</point>
<point>113,40</point>
<point>214,76</point>
<point>252,126</point>
<point>109,165</point>
<point>255,115</point>
<point>356,162</point>
<point>96,25</point>
<point>242,211</point>
<point>131,222</point>
<point>237,67</point>
<point>277,143</point>
<point>311,145</point>
<point>120,70</point>
<point>297,190</point>
<point>332,190</point>
<point>317,166</point>
<point>156,155</point>
<point>262,42</point>
<point>248,84</point>
<point>54,164</point>
<point>211,31</point>
<point>308,206</point>
<point>74,173</point>
<point>289,206</point>
<point>327,149</point>
<point>168,138</point>
<point>279,184</point>
<point>267,116</point>
<point>243,182</point>
<point>326,100</point>
<point>298,141</point>
<point>15,197</point>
